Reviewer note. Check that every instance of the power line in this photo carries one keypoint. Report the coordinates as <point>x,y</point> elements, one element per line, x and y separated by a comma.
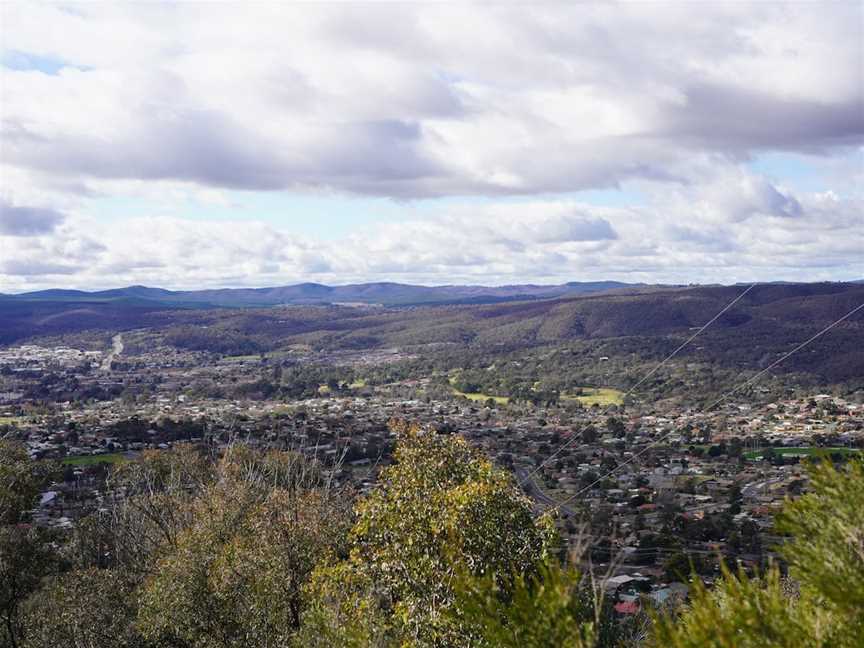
<point>570,441</point>
<point>714,404</point>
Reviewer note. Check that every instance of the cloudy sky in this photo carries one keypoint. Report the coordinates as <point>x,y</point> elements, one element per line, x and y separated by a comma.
<point>195,145</point>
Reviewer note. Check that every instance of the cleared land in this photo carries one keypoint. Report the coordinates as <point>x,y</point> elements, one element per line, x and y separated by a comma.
<point>601,396</point>
<point>802,452</point>
<point>94,459</point>
<point>597,396</point>
<point>477,396</point>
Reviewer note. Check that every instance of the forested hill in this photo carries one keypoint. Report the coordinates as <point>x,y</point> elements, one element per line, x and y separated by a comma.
<point>381,293</point>
<point>769,320</point>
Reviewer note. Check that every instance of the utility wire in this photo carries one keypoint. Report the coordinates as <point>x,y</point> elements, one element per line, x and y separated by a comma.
<point>713,405</point>
<point>572,438</point>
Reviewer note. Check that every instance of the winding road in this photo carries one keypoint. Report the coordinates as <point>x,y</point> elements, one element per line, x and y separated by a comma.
<point>116,350</point>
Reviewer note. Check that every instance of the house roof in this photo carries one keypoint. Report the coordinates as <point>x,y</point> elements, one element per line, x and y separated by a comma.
<point>627,607</point>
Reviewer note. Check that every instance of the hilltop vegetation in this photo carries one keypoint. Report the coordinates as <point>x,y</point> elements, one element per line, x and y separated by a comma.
<point>259,549</point>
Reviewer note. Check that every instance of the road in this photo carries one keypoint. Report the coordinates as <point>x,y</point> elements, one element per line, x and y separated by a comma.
<point>116,350</point>
<point>534,491</point>
<point>750,491</point>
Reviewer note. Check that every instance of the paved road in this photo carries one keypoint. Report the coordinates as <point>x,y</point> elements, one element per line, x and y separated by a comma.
<point>116,350</point>
<point>751,491</point>
<point>536,493</point>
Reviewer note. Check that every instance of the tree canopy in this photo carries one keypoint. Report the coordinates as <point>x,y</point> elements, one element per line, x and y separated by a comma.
<point>258,548</point>
<point>440,508</point>
<point>823,603</point>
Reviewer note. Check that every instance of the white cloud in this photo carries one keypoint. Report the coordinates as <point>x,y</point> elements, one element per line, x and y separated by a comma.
<point>172,105</point>
<point>688,233</point>
<point>426,100</point>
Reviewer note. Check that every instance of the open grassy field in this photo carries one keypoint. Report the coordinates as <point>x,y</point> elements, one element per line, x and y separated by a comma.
<point>9,420</point>
<point>90,460</point>
<point>255,357</point>
<point>601,396</point>
<point>501,400</point>
<point>242,358</point>
<point>803,452</point>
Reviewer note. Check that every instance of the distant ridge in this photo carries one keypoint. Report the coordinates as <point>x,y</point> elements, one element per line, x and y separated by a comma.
<point>384,293</point>
<point>768,321</point>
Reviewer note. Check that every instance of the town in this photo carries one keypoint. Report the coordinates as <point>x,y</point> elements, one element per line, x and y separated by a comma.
<point>649,488</point>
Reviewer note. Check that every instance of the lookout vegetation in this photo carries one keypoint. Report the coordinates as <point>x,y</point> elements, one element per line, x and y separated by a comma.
<point>259,549</point>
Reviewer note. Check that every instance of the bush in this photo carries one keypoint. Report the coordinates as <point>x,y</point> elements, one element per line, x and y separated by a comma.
<point>440,509</point>
<point>822,607</point>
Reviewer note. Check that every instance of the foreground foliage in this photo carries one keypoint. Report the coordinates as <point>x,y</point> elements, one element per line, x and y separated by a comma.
<point>26,556</point>
<point>824,606</point>
<point>234,574</point>
<point>554,606</point>
<point>258,549</point>
<point>439,509</point>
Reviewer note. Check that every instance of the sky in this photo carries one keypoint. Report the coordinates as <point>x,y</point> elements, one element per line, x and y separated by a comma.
<point>190,145</point>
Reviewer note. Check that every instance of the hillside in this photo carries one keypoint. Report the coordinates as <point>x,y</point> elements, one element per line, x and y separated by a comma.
<point>384,293</point>
<point>768,321</point>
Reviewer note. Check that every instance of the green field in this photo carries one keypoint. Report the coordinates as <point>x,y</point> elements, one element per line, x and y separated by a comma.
<point>90,460</point>
<point>501,400</point>
<point>9,420</point>
<point>255,357</point>
<point>242,358</point>
<point>802,452</point>
<point>601,396</point>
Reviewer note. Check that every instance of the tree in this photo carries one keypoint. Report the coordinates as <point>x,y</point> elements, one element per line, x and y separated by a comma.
<point>826,561</point>
<point>615,426</point>
<point>26,557</point>
<point>84,608</point>
<point>21,479</point>
<point>736,499</point>
<point>552,607</point>
<point>679,566</point>
<point>439,508</point>
<point>151,505</point>
<point>236,573</point>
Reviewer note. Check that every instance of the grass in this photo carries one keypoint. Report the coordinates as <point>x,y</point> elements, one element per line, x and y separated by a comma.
<point>90,460</point>
<point>255,357</point>
<point>802,452</point>
<point>357,384</point>
<point>477,396</point>
<point>9,420</point>
<point>601,396</point>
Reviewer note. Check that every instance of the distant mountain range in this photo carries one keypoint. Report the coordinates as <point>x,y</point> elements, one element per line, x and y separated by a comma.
<point>384,293</point>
